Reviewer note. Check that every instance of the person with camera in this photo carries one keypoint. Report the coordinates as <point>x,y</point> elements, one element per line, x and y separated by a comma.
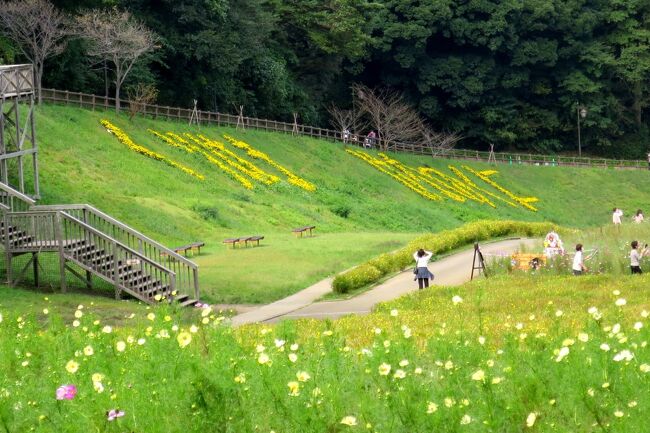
<point>636,256</point>
<point>421,271</point>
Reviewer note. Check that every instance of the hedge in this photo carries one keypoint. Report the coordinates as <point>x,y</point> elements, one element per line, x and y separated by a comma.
<point>373,270</point>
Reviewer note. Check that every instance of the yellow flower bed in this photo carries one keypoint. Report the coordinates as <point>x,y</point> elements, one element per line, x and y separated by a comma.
<point>386,167</point>
<point>125,139</point>
<point>291,178</point>
<point>180,143</point>
<point>244,165</point>
<point>458,187</point>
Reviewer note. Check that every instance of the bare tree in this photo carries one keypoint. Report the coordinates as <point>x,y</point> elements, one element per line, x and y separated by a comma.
<point>140,96</point>
<point>438,143</point>
<point>39,30</point>
<point>351,121</point>
<point>119,39</point>
<point>395,120</point>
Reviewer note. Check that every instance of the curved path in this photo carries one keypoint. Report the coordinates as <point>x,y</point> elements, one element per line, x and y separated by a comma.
<point>451,270</point>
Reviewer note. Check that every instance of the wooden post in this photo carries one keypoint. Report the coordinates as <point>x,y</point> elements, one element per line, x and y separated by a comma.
<point>35,265</point>
<point>58,229</point>
<point>116,272</point>
<point>294,131</point>
<point>93,102</point>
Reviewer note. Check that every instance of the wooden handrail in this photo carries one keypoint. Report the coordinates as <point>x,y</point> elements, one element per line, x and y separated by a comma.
<point>108,238</point>
<point>119,224</point>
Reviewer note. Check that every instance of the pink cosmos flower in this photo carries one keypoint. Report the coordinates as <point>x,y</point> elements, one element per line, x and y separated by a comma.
<point>66,392</point>
<point>113,414</point>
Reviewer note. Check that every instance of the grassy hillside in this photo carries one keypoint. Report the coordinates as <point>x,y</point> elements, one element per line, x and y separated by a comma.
<point>359,212</point>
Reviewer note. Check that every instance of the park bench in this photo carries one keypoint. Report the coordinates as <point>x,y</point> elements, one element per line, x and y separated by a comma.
<point>244,239</point>
<point>527,261</point>
<point>194,246</point>
<point>301,230</point>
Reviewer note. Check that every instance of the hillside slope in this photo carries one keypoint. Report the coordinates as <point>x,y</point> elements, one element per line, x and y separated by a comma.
<point>359,211</point>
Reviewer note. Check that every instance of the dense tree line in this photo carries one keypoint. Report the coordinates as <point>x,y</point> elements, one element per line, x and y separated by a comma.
<point>510,72</point>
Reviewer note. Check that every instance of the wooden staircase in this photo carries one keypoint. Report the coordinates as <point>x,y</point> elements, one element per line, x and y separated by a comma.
<point>98,244</point>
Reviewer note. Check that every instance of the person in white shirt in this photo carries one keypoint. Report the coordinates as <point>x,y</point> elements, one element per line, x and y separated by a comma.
<point>616,216</point>
<point>421,271</point>
<point>638,218</point>
<point>636,256</point>
<point>578,261</point>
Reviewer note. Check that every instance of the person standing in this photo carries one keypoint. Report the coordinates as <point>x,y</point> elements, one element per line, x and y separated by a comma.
<point>635,257</point>
<point>578,261</point>
<point>421,271</point>
<point>616,216</point>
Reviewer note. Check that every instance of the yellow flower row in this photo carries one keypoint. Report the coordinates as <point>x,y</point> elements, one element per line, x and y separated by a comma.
<point>244,165</point>
<point>485,177</point>
<point>125,139</point>
<point>459,188</point>
<point>383,166</point>
<point>179,142</point>
<point>250,151</point>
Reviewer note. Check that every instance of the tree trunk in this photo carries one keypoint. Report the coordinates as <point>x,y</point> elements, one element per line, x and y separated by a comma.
<point>117,97</point>
<point>38,78</point>
<point>637,105</point>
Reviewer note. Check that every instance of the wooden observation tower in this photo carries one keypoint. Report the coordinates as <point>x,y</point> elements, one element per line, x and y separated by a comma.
<point>17,132</point>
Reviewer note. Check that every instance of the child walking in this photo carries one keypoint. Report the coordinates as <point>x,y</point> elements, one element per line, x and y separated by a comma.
<point>578,261</point>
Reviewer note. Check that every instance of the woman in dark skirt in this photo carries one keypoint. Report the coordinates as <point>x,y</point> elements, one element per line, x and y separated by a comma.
<point>422,273</point>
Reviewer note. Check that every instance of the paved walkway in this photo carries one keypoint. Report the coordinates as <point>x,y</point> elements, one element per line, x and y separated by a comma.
<point>452,270</point>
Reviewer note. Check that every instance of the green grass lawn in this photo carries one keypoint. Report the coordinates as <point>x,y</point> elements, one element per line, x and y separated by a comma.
<point>359,212</point>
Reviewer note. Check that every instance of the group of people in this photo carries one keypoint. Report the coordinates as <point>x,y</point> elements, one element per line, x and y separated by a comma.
<point>368,142</point>
<point>617,213</point>
<point>635,259</point>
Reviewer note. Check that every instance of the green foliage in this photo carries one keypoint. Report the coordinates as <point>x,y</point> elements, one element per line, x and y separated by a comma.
<point>436,243</point>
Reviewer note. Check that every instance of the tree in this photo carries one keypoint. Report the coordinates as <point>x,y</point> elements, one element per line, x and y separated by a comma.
<point>347,120</point>
<point>395,120</point>
<point>117,38</point>
<point>38,28</point>
<point>140,96</point>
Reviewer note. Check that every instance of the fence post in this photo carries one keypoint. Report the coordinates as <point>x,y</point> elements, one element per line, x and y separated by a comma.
<point>67,97</point>
<point>58,229</point>
<point>116,272</point>
<point>195,271</point>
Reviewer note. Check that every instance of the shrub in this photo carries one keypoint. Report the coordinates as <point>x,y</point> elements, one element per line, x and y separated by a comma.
<point>437,243</point>
<point>362,275</point>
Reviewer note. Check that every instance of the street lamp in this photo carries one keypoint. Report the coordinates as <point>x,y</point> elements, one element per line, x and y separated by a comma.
<point>581,112</point>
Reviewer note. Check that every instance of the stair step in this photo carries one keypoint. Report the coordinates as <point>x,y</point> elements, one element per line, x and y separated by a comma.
<point>188,303</point>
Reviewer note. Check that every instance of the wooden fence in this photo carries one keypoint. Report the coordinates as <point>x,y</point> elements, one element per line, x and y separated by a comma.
<point>96,102</point>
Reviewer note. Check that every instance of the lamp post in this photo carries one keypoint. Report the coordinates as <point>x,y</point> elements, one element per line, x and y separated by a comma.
<point>581,112</point>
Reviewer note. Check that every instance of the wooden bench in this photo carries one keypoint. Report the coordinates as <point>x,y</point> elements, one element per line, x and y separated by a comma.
<point>189,247</point>
<point>244,239</point>
<point>301,230</point>
<point>527,261</point>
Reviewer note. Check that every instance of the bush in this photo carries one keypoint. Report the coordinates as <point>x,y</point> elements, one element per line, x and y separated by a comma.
<point>362,275</point>
<point>437,243</point>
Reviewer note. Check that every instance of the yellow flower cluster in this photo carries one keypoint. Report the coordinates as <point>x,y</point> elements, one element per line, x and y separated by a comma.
<point>485,177</point>
<point>179,142</point>
<point>226,160</point>
<point>243,165</point>
<point>386,166</point>
<point>458,188</point>
<point>291,178</point>
<point>125,139</point>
